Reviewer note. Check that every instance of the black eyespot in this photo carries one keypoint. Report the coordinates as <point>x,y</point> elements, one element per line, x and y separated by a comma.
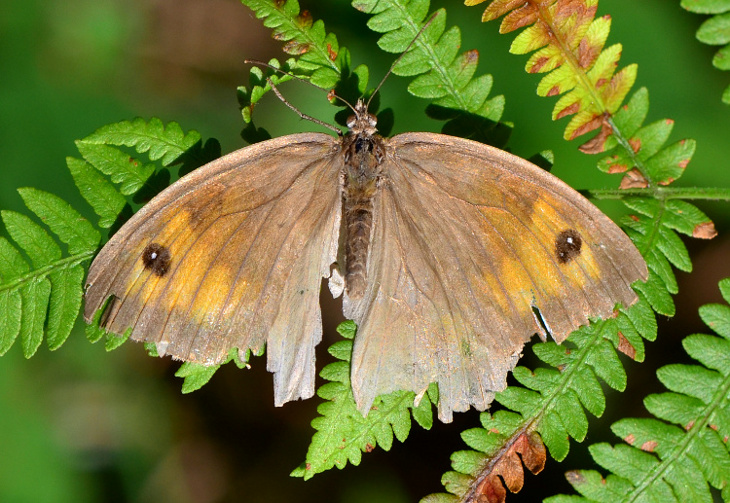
<point>156,258</point>
<point>567,245</point>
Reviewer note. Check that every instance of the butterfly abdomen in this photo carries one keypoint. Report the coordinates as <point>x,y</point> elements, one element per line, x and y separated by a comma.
<point>358,215</point>
<point>364,152</point>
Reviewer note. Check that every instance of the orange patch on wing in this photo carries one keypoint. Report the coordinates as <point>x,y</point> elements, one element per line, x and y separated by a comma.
<point>215,293</point>
<point>142,280</point>
<point>550,224</point>
<point>513,283</point>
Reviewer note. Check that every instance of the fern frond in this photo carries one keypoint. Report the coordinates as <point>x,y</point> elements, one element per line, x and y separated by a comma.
<point>343,434</point>
<point>568,42</point>
<point>678,454</point>
<point>442,74</point>
<point>320,58</point>
<point>639,150</point>
<point>101,154</point>
<point>318,50</point>
<point>714,31</point>
<point>42,299</point>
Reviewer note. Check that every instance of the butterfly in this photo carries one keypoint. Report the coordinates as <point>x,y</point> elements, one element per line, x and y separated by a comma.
<point>449,254</point>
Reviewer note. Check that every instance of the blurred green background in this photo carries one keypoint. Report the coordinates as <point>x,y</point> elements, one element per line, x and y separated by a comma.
<point>82,425</point>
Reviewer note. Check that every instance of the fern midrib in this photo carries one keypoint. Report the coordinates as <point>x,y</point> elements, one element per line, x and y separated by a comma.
<point>683,448</point>
<point>494,458</point>
<point>651,238</point>
<point>586,84</point>
<point>36,274</point>
<point>667,193</point>
<point>570,370</point>
<point>437,67</point>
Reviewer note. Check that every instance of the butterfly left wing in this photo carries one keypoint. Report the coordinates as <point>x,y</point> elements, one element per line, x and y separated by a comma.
<point>231,256</point>
<point>474,250</point>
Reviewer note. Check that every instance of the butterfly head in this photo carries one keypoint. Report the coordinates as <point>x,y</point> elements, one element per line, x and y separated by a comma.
<point>362,122</point>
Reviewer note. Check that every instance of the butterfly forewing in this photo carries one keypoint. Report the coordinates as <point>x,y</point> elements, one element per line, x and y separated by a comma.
<point>231,256</point>
<point>468,243</point>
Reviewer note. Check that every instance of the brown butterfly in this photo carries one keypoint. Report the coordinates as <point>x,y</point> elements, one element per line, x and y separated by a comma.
<point>451,254</point>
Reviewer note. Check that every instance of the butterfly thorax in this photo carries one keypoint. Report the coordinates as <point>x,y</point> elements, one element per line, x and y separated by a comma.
<point>364,153</point>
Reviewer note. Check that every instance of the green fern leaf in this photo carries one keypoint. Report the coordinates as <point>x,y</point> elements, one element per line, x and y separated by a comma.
<point>259,85</point>
<point>35,242</point>
<point>685,218</point>
<point>101,195</point>
<point>674,249</point>
<point>65,222</point>
<point>10,313</point>
<point>304,37</point>
<point>441,73</point>
<point>35,298</point>
<point>668,165</point>
<point>124,170</point>
<point>164,142</point>
<point>706,6</point>
<point>629,118</point>
<point>64,304</point>
<point>12,266</point>
<point>320,60</point>
<point>657,296</point>
<point>649,139</point>
<point>112,342</point>
<point>681,452</point>
<point>196,375</point>
<point>43,301</point>
<point>715,31</point>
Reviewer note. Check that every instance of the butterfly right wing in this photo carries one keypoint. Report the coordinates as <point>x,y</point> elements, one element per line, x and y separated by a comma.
<point>231,256</point>
<point>474,250</point>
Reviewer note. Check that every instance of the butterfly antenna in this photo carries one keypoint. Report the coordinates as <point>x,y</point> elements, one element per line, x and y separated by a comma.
<point>331,94</point>
<point>418,35</point>
<point>292,107</point>
<point>299,112</point>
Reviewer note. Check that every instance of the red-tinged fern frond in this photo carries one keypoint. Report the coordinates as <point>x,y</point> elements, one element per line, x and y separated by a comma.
<point>567,43</point>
